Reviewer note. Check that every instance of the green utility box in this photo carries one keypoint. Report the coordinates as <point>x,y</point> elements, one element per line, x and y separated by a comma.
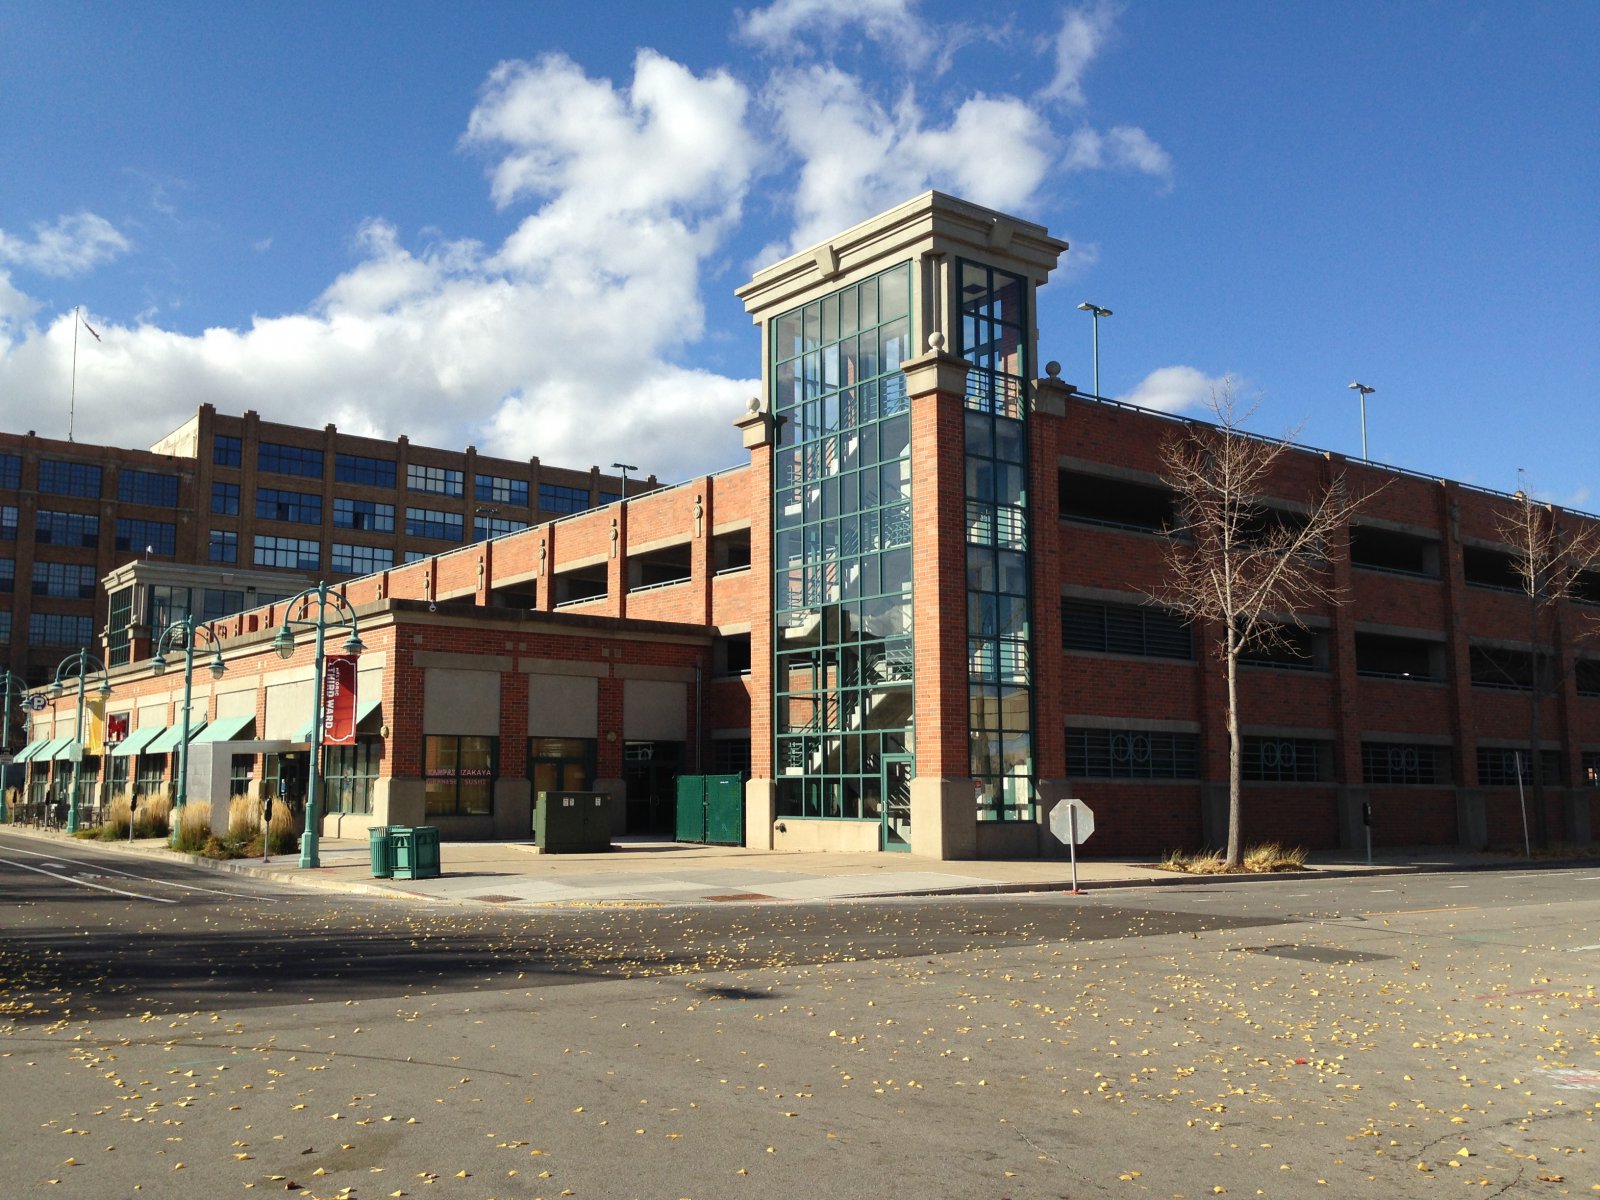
<point>382,859</point>
<point>572,822</point>
<point>415,851</point>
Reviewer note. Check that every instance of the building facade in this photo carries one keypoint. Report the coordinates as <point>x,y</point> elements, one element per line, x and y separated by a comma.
<point>913,618</point>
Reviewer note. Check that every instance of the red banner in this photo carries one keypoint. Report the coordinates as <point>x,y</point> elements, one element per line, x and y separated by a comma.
<point>339,700</point>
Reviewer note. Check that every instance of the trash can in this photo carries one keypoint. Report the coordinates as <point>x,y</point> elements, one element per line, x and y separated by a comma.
<point>415,850</point>
<point>382,859</point>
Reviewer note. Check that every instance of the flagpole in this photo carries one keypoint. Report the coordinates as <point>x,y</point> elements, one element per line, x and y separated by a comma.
<point>72,401</point>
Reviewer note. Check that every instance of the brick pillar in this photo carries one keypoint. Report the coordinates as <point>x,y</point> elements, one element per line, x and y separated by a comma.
<point>760,433</point>
<point>943,811</point>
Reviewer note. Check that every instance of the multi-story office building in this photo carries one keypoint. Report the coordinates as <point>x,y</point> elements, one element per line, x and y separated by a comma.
<point>914,617</point>
<point>245,498</point>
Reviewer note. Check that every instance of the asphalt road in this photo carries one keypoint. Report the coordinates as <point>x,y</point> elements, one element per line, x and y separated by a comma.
<point>171,1032</point>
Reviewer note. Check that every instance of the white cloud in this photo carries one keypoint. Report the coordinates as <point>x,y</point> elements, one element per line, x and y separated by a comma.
<point>71,246</point>
<point>561,342</point>
<point>1082,34</point>
<point>858,157</point>
<point>1123,147</point>
<point>1173,389</point>
<point>796,26</point>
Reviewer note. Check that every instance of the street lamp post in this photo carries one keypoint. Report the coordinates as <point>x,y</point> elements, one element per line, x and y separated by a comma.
<point>1096,312</point>
<point>624,468</point>
<point>323,600</point>
<point>13,685</point>
<point>78,666</point>
<point>1365,392</point>
<point>183,634</point>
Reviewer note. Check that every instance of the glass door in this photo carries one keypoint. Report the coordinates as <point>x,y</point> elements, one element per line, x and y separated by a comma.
<point>895,830</point>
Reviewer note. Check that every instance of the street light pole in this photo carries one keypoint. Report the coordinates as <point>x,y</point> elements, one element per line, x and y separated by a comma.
<point>624,468</point>
<point>80,665</point>
<point>344,614</point>
<point>1096,312</point>
<point>1365,392</point>
<point>186,630</point>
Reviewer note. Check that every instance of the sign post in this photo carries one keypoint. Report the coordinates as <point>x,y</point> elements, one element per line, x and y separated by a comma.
<point>1072,821</point>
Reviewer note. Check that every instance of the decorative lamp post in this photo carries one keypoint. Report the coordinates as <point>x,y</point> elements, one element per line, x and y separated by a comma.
<point>182,634</point>
<point>13,686</point>
<point>1097,312</point>
<point>78,666</point>
<point>624,468</point>
<point>320,609</point>
<point>1365,392</point>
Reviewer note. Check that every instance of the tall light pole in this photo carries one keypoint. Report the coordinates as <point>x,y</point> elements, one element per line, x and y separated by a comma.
<point>1365,392</point>
<point>624,468</point>
<point>78,666</point>
<point>1097,312</point>
<point>323,600</point>
<point>183,634</point>
<point>13,685</point>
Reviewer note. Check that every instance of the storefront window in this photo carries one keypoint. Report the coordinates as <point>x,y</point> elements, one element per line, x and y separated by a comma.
<point>460,772</point>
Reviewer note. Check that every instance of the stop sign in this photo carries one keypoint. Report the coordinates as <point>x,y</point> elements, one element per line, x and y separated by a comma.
<point>1069,817</point>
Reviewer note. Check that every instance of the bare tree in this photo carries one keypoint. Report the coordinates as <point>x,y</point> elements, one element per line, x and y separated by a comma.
<point>1551,554</point>
<point>1236,565</point>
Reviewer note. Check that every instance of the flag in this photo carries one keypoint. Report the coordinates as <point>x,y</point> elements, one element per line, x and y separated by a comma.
<point>89,327</point>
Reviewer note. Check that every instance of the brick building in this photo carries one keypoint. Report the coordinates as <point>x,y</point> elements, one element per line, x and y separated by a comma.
<point>914,617</point>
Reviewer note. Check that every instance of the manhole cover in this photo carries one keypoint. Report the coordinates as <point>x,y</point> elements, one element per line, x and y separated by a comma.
<point>495,899</point>
<point>1316,954</point>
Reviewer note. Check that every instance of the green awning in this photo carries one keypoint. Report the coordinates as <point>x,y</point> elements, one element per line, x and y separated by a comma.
<point>28,752</point>
<point>223,729</point>
<point>54,750</point>
<point>136,741</point>
<point>168,741</point>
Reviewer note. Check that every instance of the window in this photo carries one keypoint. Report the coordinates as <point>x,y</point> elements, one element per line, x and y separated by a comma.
<point>1387,656</point>
<point>358,468</point>
<point>289,460</point>
<point>1591,765</point>
<point>156,537</point>
<point>1586,674</point>
<point>610,497</point>
<point>460,772</point>
<point>1132,754</point>
<point>414,556</point>
<point>1290,648</point>
<point>10,470</point>
<point>1287,760</point>
<point>167,604</point>
<point>227,451</point>
<point>561,764</point>
<point>492,527</point>
<point>70,581</point>
<point>363,514</point>
<point>349,773</point>
<point>5,626</point>
<point>1487,568</point>
<point>69,479</point>
<point>1115,503</point>
<point>8,580</point>
<point>300,554</point>
<point>1399,763</point>
<point>302,508</point>
<point>151,776</point>
<point>59,629</point>
<point>1506,670</point>
<point>241,770</point>
<point>118,645</point>
<point>1125,629</point>
<point>8,522</point>
<point>1397,553</point>
<point>554,497</point>
<point>65,529</point>
<point>1506,766</point>
<point>225,499</point>
<point>224,546</point>
<point>497,489</point>
<point>730,655</point>
<point>439,480</point>
<point>428,522</point>
<point>147,487</point>
<point>216,603</point>
<point>730,756</point>
<point>361,560</point>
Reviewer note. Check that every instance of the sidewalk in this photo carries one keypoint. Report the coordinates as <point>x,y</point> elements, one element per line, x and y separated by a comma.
<point>637,871</point>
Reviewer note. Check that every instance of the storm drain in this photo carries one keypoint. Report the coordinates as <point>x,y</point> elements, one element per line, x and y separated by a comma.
<point>1316,954</point>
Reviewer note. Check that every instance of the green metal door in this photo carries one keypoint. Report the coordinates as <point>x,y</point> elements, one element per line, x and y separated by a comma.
<point>895,827</point>
<point>691,808</point>
<point>725,810</point>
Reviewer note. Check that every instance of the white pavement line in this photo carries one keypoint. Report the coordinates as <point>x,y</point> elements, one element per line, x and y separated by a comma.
<point>102,868</point>
<point>1575,949</point>
<point>1453,886</point>
<point>1385,889</point>
<point>84,882</point>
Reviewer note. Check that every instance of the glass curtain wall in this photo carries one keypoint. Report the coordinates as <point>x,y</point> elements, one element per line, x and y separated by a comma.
<point>994,339</point>
<point>842,546</point>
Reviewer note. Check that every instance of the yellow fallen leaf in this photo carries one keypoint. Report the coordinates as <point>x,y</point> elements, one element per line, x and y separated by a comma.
<point>463,1175</point>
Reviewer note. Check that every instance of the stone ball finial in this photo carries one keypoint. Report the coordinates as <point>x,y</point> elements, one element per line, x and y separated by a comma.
<point>1053,369</point>
<point>754,404</point>
<point>936,341</point>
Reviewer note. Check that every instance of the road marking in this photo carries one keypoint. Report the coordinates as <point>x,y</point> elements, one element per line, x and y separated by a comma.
<point>1575,949</point>
<point>1385,889</point>
<point>84,882</point>
<point>55,860</point>
<point>1408,912</point>
<point>1453,886</point>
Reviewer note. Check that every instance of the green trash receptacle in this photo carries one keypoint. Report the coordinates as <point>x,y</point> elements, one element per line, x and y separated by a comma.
<point>402,850</point>
<point>382,860</point>
<point>415,850</point>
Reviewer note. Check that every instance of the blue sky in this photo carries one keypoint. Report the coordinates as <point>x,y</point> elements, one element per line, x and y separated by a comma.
<point>519,225</point>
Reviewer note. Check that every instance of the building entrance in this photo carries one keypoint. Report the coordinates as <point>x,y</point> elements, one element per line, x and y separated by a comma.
<point>895,828</point>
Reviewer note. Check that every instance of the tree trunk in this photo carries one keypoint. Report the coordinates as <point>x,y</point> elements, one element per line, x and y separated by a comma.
<point>1235,761</point>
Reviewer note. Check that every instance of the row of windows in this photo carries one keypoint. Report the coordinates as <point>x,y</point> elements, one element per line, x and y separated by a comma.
<point>1125,629</point>
<point>360,560</point>
<point>86,480</point>
<point>10,470</point>
<point>71,581</point>
<point>58,629</point>
<point>301,508</point>
<point>555,497</point>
